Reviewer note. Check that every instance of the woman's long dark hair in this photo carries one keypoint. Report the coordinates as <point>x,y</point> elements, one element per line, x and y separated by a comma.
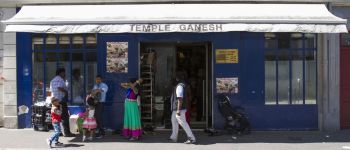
<point>132,81</point>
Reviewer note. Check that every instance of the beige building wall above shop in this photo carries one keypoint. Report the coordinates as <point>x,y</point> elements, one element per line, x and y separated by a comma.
<point>8,85</point>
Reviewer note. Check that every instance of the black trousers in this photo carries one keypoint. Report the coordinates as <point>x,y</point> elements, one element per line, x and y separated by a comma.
<point>65,117</point>
<point>99,118</point>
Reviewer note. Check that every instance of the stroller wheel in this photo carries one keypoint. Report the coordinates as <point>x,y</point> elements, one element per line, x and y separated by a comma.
<point>35,128</point>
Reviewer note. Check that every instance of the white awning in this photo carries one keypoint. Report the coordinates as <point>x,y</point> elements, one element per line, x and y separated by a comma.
<point>155,18</point>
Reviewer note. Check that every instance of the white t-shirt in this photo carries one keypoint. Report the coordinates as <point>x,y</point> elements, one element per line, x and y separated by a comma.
<point>180,91</point>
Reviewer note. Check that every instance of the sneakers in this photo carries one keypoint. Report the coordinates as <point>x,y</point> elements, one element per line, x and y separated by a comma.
<point>99,136</point>
<point>134,139</point>
<point>48,141</point>
<point>69,135</point>
<point>59,144</point>
<point>90,139</point>
<point>172,140</point>
<point>189,141</point>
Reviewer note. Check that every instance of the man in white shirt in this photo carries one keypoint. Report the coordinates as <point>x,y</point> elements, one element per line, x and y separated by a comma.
<point>60,91</point>
<point>100,89</point>
<point>178,107</point>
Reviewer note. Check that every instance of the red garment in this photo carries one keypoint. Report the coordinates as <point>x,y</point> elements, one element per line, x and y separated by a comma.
<point>56,115</point>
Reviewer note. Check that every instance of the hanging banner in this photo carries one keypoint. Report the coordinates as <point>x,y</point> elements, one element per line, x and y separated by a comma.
<point>226,56</point>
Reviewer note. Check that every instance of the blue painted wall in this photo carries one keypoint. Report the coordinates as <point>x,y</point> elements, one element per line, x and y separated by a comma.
<point>24,77</point>
<point>250,71</point>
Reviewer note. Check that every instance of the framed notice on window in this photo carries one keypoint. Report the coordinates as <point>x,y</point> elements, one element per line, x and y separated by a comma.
<point>226,56</point>
<point>117,57</point>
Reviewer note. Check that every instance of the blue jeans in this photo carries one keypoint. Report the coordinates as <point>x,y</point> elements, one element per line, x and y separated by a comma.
<point>57,132</point>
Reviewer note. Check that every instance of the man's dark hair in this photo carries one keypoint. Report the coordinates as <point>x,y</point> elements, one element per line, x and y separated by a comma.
<point>180,75</point>
<point>99,76</point>
<point>90,101</point>
<point>60,70</point>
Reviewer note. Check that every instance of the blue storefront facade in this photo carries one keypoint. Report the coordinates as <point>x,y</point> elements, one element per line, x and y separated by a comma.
<point>264,112</point>
<point>280,66</point>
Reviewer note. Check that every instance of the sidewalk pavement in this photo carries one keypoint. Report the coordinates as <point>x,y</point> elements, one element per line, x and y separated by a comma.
<point>267,140</point>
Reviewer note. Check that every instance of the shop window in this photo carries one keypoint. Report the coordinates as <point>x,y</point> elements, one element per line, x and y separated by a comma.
<point>283,77</point>
<point>64,51</point>
<point>310,77</point>
<point>345,40</point>
<point>270,41</point>
<point>310,41</point>
<point>290,69</point>
<point>270,78</point>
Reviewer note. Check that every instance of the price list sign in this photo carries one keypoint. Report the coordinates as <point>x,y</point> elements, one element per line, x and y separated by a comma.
<point>226,56</point>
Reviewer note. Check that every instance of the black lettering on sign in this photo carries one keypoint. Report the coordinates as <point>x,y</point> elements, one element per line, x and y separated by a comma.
<point>218,27</point>
<point>146,28</point>
<point>205,28</point>
<point>211,27</point>
<point>177,27</point>
<point>182,27</point>
<point>139,28</point>
<point>198,27</point>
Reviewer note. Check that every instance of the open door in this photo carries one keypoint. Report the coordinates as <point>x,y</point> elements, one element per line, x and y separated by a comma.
<point>159,63</point>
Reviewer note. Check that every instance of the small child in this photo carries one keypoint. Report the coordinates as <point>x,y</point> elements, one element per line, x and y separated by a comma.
<point>56,112</point>
<point>89,123</point>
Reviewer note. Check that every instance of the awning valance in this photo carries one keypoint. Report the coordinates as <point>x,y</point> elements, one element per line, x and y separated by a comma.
<point>155,18</point>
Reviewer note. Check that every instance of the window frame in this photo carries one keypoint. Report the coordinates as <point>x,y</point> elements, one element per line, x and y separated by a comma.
<point>276,50</point>
<point>70,50</point>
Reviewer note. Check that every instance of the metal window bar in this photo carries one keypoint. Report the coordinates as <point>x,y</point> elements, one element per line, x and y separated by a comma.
<point>304,58</point>
<point>316,38</point>
<point>84,66</point>
<point>44,62</point>
<point>277,58</point>
<point>290,53</point>
<point>70,68</point>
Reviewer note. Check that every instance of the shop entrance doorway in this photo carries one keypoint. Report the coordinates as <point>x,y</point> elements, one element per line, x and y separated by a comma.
<point>158,64</point>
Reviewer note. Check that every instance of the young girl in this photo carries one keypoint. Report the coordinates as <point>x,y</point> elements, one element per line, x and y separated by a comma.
<point>89,124</point>
<point>56,112</point>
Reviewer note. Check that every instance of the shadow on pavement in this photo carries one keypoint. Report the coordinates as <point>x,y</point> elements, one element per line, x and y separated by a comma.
<point>223,137</point>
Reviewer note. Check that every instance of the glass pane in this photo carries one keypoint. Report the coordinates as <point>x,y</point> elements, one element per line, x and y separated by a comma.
<point>37,42</point>
<point>91,41</point>
<point>91,69</point>
<point>78,78</point>
<point>283,77</point>
<point>310,40</point>
<point>270,78</point>
<point>284,40</point>
<point>51,63</point>
<point>64,62</point>
<point>296,40</point>
<point>297,77</point>
<point>64,41</point>
<point>310,77</point>
<point>51,42</point>
<point>38,77</point>
<point>345,39</point>
<point>78,41</point>
<point>270,40</point>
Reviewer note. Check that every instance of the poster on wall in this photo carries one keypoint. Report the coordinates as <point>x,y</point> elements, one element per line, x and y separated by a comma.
<point>227,85</point>
<point>117,57</point>
<point>226,56</point>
